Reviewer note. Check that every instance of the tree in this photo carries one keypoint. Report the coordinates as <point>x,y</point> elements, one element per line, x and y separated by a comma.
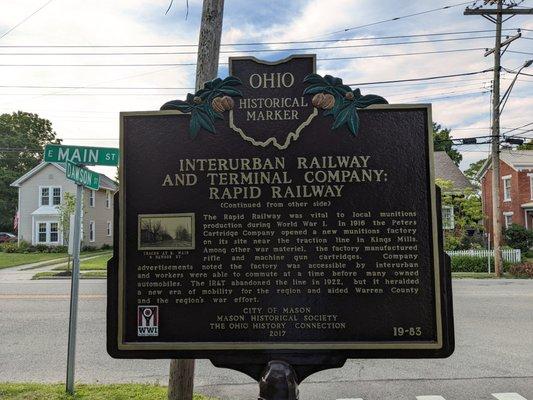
<point>443,142</point>
<point>22,139</point>
<point>467,211</point>
<point>518,237</point>
<point>526,146</point>
<point>472,171</point>
<point>66,209</point>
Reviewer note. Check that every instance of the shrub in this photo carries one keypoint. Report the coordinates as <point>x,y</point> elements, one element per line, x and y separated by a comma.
<point>106,247</point>
<point>452,243</point>
<point>58,249</point>
<point>474,264</point>
<point>518,237</point>
<point>89,248</point>
<point>25,247</point>
<point>524,270</point>
<point>42,248</point>
<point>9,247</point>
<point>465,241</point>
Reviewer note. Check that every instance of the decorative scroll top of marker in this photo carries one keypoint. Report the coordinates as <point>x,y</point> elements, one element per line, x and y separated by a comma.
<point>81,155</point>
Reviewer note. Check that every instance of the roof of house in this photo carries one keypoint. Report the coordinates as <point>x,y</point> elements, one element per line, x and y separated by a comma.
<point>105,182</point>
<point>518,160</point>
<point>446,169</point>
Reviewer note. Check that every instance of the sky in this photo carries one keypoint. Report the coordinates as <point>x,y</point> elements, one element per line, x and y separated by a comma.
<point>83,101</point>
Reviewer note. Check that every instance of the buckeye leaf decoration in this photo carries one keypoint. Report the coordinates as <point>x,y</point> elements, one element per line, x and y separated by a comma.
<point>347,101</point>
<point>200,104</point>
<point>347,114</point>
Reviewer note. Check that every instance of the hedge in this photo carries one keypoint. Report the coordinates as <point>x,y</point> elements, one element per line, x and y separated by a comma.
<point>524,270</point>
<point>474,264</point>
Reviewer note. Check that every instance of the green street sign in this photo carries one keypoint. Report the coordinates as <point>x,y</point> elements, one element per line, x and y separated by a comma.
<point>83,176</point>
<point>81,155</point>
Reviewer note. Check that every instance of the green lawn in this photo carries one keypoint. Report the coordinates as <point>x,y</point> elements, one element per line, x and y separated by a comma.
<point>39,391</point>
<point>98,263</point>
<point>94,274</point>
<point>13,259</point>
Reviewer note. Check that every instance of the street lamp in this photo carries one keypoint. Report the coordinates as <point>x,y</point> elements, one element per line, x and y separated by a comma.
<point>505,96</point>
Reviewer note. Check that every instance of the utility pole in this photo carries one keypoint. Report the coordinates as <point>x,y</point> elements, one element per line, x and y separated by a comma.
<point>487,13</point>
<point>181,376</point>
<point>209,42</point>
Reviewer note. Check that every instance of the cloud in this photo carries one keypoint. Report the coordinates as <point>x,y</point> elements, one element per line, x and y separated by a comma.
<point>89,116</point>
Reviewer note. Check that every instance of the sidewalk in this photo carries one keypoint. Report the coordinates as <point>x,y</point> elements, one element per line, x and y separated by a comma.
<point>27,271</point>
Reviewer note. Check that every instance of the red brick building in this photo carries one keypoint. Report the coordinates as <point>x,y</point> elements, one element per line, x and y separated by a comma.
<point>516,189</point>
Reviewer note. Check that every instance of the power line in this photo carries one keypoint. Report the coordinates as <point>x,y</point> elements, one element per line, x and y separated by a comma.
<point>395,18</point>
<point>366,38</point>
<point>520,135</point>
<point>350,84</point>
<point>376,84</point>
<point>24,20</point>
<point>422,79</point>
<point>464,138</point>
<point>520,127</point>
<point>144,53</point>
<point>472,82</point>
<point>193,64</point>
<point>437,98</point>
<point>94,87</point>
<point>439,95</point>
<point>519,52</point>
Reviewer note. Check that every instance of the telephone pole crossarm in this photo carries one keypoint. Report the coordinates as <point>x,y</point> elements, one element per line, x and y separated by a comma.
<point>494,11</point>
<point>506,42</point>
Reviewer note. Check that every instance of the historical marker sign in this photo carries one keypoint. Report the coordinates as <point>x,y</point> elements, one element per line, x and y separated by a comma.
<point>83,176</point>
<point>323,241</point>
<point>272,109</point>
<point>81,155</point>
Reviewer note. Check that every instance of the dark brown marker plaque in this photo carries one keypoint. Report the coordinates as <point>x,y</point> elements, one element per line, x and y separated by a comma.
<point>290,240</point>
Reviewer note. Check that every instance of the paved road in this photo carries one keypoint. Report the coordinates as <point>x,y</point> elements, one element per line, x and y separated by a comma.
<point>494,353</point>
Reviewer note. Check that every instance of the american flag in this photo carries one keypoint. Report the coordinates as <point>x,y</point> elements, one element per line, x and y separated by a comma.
<point>16,221</point>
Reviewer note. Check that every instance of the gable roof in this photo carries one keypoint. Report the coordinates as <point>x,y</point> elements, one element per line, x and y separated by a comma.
<point>517,159</point>
<point>446,169</point>
<point>105,182</point>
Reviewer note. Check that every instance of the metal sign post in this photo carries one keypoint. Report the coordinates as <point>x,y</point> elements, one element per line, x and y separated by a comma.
<point>74,288</point>
<point>74,158</point>
<point>90,179</point>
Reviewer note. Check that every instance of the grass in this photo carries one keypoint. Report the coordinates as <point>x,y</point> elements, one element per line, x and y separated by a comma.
<point>63,274</point>
<point>13,259</point>
<point>94,275</point>
<point>41,391</point>
<point>98,263</point>
<point>8,260</point>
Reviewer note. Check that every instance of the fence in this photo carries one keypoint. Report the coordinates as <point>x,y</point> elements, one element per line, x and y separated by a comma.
<point>511,255</point>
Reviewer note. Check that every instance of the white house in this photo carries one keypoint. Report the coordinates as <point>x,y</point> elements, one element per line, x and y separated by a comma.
<point>42,189</point>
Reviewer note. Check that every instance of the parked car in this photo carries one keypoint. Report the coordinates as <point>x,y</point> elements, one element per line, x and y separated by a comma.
<point>7,237</point>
